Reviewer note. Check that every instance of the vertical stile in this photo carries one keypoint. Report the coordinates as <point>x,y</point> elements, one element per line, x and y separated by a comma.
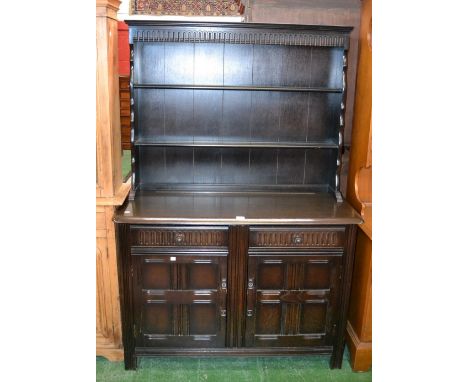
<point>339,163</point>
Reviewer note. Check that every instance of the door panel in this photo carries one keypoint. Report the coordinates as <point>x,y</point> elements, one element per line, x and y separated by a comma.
<point>270,276</point>
<point>158,318</point>
<point>292,299</point>
<point>313,318</point>
<point>180,299</point>
<point>156,276</point>
<point>269,318</point>
<point>317,274</point>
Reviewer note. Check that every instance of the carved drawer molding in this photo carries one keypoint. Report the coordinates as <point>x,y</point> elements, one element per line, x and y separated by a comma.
<point>179,237</point>
<point>300,238</point>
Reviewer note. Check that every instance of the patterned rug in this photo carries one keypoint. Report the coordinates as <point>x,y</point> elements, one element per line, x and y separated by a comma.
<point>187,7</point>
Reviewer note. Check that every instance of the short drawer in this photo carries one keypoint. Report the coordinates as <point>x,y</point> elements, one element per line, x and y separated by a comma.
<point>174,237</point>
<point>320,237</point>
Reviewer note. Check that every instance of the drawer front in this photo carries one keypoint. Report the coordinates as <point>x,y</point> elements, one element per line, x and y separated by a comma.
<point>325,237</point>
<point>176,237</point>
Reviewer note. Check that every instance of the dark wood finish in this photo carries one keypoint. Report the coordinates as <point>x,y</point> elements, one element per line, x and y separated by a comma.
<point>317,12</point>
<point>241,296</point>
<point>126,297</point>
<point>320,12</point>
<point>180,299</point>
<point>236,239</point>
<point>338,348</point>
<point>226,208</point>
<point>297,238</point>
<point>273,93</point>
<point>240,88</point>
<point>169,237</point>
<point>238,248</point>
<point>292,299</point>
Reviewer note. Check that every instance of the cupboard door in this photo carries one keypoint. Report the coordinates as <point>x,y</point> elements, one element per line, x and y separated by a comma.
<point>180,300</point>
<point>292,299</point>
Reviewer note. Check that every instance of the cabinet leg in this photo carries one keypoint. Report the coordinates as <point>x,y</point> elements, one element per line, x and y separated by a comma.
<point>336,358</point>
<point>130,361</point>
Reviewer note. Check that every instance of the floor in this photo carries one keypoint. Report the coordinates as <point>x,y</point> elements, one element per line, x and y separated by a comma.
<point>290,369</point>
<point>126,163</point>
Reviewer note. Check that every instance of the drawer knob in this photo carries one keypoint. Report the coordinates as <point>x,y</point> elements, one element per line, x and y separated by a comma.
<point>179,237</point>
<point>297,239</point>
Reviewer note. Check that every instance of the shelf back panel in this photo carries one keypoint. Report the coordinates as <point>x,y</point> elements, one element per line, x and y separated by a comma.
<point>242,65</point>
<point>236,166</point>
<point>204,115</point>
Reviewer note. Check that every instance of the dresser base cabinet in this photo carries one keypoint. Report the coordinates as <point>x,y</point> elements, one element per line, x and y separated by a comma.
<point>234,290</point>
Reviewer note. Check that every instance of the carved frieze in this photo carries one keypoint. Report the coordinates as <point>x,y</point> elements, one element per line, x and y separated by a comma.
<point>170,238</point>
<point>312,238</point>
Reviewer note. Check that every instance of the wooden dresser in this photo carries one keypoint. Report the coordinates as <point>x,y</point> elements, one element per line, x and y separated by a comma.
<point>236,239</point>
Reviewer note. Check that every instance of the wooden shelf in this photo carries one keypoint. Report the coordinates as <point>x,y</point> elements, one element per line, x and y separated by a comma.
<point>239,188</point>
<point>165,142</point>
<point>239,88</point>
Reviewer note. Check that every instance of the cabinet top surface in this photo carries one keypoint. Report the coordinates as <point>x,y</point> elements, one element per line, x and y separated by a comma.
<point>236,209</point>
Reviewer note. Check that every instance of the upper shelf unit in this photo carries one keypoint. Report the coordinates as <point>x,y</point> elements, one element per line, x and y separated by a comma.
<point>271,92</point>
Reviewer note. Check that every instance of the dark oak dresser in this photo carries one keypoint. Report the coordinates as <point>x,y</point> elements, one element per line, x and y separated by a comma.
<point>236,239</point>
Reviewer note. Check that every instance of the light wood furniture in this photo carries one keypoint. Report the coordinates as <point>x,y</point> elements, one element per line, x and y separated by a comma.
<point>236,239</point>
<point>110,191</point>
<point>359,194</point>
